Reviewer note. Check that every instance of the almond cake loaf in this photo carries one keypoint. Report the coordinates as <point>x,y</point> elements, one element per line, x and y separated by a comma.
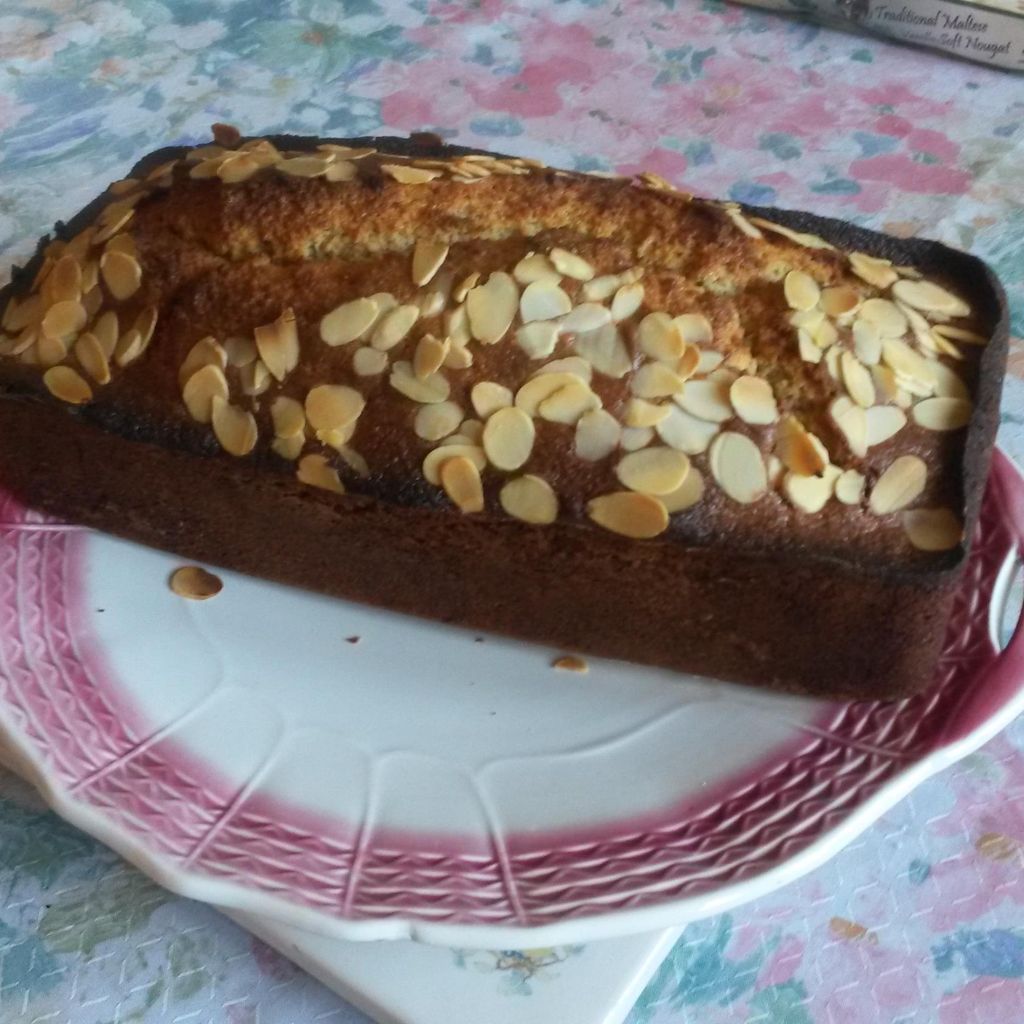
<point>592,412</point>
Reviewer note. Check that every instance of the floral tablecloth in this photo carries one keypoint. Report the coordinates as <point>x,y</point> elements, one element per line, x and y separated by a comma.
<point>923,918</point>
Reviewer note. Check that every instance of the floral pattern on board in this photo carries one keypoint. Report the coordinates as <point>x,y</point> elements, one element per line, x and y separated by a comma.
<point>922,919</point>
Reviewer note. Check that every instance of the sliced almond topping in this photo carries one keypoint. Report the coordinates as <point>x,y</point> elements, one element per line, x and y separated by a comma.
<point>91,357</point>
<point>800,451</point>
<point>736,216</point>
<point>233,427</point>
<point>824,334</point>
<point>113,218</point>
<point>145,324</point>
<point>538,339</point>
<point>341,170</point>
<point>21,312</point>
<point>459,357</point>
<point>801,290</point>
<point>129,347</point>
<point>80,245</point>
<point>635,438</point>
<point>436,458</point>
<point>655,380</point>
<point>849,488</point>
<point>628,299</point>
<point>753,400</point>
<point>92,301</point>
<point>289,417</point>
<point>50,351</point>
<point>239,351</point>
<point>473,429</point>
<point>122,274</point>
<point>195,583</point>
<point>933,529</point>
<point>543,300</point>
<point>808,493</point>
<point>839,300</point>
<point>530,499</point>
<point>338,439</point>
<point>64,320</point>
<point>237,168</point>
<point>535,266</point>
<point>427,391</point>
<point>875,271</point>
<point>597,435</point>
<point>604,350</point>
<point>571,265</point>
<point>348,321</point>
<point>107,331</point>
<point>311,166</point>
<point>64,283</point>
<point>851,420</point>
<point>653,470</point>
<point>289,448</point>
<point>641,413</point>
<point>540,387</point>
<point>930,298</point>
<point>393,327</point>
<point>738,467</point>
<point>687,494</point>
<point>333,406</point>
<point>488,397</point>
<point>955,333</point>
<point>462,289</point>
<point>431,303</point>
<point>947,382</point>
<point>201,388</point>
<point>254,378</point>
<point>686,433</point>
<point>695,329</point>
<point>886,316</point>
<point>659,337</point>
<point>568,403</point>
<point>368,362</point>
<point>900,484</point>
<point>429,356</point>
<point>427,258</point>
<point>707,400</point>
<point>587,317</point>
<point>570,364</point>
<point>907,363</point>
<point>599,289</point>
<point>278,345</point>
<point>461,482</point>
<point>809,351</point>
<point>942,413</point>
<point>867,342</point>
<point>315,471</point>
<point>808,241</point>
<point>689,363</point>
<point>66,384</point>
<point>409,175</point>
<point>629,513</point>
<point>857,379</point>
<point>348,152</point>
<point>204,352</point>
<point>432,422</point>
<point>492,307</point>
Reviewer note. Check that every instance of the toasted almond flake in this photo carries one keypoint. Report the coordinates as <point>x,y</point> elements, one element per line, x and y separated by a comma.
<point>800,451</point>
<point>145,324</point>
<point>473,429</point>
<point>537,339</point>
<point>234,428</point>
<point>597,435</point>
<point>488,397</point>
<point>462,289</point>
<point>50,351</point>
<point>195,583</point>
<point>571,663</point>
<point>348,152</point>
<point>605,350</point>
<point>113,218</point>
<point>824,334</point>
<point>543,300</point>
<point>653,470</point>
<point>64,320</point>
<point>883,422</point>
<point>599,289</point>
<point>238,168</point>
<point>801,290</point>
<point>64,283</point>
<point>867,342</point>
<point>738,467</point>
<point>907,363</point>
<point>427,257</point>
<point>201,388</point>
<point>492,307</point>
<point>341,170</point>
<point>348,321</point>
<point>535,266</point>
<point>684,432</point>
<point>571,265</point>
<point>857,379</point>
<point>289,448</point>
<point>849,487</point>
<point>459,357</point>
<point>432,422</point>
<point>530,499</point>
<point>309,166</point>
<point>289,417</point>
<point>129,347</point>
<point>254,378</point>
<point>629,513</point>
<point>92,358</point>
<point>900,484</point>
<point>635,438</point>
<point>810,493</point>
<point>641,413</point>
<point>947,382</point>
<point>753,400</point>
<point>942,346</point>
<point>886,316</point>
<point>338,439</point>
<point>408,175</point>
<point>707,400</point>
<point>278,345</point>
<point>655,380</point>
<point>686,495</point>
<point>436,458</point>
<point>689,362</point>
<point>839,300</point>
<point>851,421</point>
<point>368,362</point>
<point>808,241</point>
<point>239,351</point>
<point>695,329</point>
<point>942,413</point>
<point>315,471</point>
<point>809,351</point>
<point>429,356</point>
<point>205,351</point>
<point>932,529</point>
<point>736,216</point>
<point>431,303</point>
<point>122,274</point>
<point>540,387</point>
<point>875,271</point>
<point>92,301</point>
<point>741,359</point>
<point>19,313</point>
<point>427,391</point>
<point>660,338</point>
<point>461,482</point>
<point>333,406</point>
<point>708,360</point>
<point>955,333</point>
<point>568,403</point>
<point>80,245</point>
<point>586,318</point>
<point>68,385</point>
<point>16,345</point>
<point>210,151</point>
<point>393,327</point>
<point>930,298</point>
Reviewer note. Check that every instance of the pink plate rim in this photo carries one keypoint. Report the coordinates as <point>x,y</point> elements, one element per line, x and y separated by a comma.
<point>73,730</point>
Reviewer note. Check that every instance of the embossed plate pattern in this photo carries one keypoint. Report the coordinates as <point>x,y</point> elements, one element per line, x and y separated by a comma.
<point>372,776</point>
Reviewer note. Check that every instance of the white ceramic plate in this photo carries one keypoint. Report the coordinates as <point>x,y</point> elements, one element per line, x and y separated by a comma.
<point>426,782</point>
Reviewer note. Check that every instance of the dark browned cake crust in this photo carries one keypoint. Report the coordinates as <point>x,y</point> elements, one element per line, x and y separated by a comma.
<point>757,457</point>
